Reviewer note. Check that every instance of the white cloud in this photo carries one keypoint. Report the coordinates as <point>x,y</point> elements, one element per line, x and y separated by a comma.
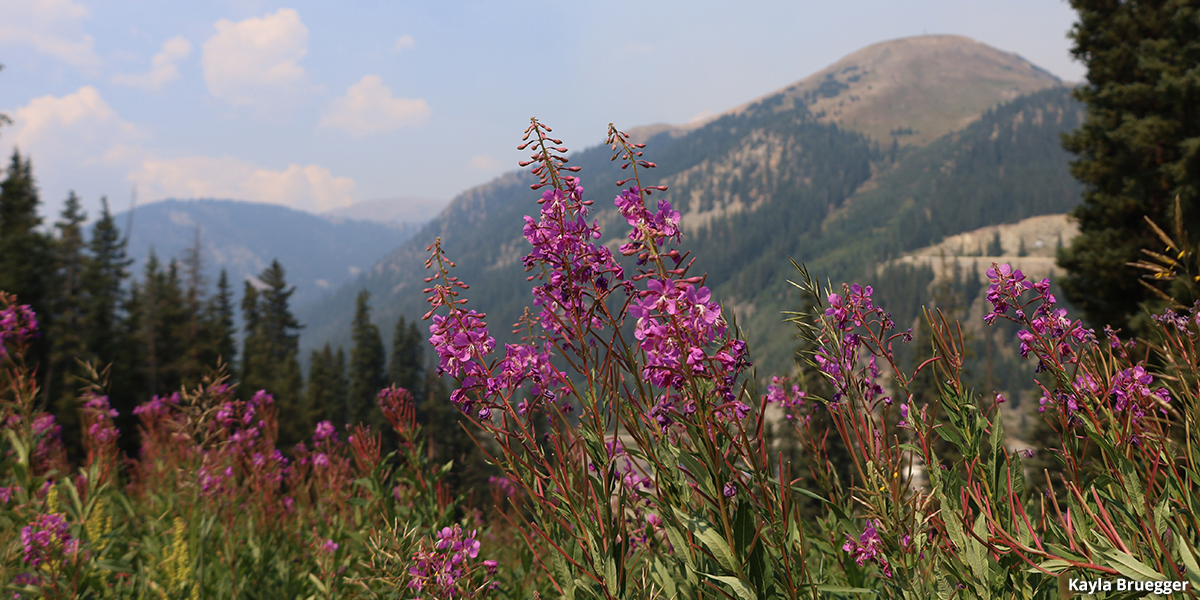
<point>369,107</point>
<point>78,138</point>
<point>163,67</point>
<point>404,42</point>
<point>51,27</point>
<point>254,61</point>
<point>79,128</point>
<point>310,187</point>
<point>483,162</point>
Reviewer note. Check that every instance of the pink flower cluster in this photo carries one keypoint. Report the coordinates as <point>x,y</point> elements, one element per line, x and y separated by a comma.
<point>1051,335</point>
<point>576,271</point>
<point>47,538</point>
<point>49,453</point>
<point>443,566</point>
<point>98,415</point>
<point>18,324</point>
<point>676,325</point>
<point>648,228</point>
<point>1131,392</point>
<point>868,548</point>
<point>790,398</point>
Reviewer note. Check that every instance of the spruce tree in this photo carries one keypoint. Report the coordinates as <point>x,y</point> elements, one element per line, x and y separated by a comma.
<point>254,369</point>
<point>223,342</point>
<point>1138,149</point>
<point>104,273</point>
<point>164,325</point>
<point>341,389</point>
<point>26,258</point>
<point>66,339</point>
<point>367,361</point>
<point>271,348</point>
<point>199,355</point>
<point>995,248</point>
<point>319,393</point>
<point>406,366</point>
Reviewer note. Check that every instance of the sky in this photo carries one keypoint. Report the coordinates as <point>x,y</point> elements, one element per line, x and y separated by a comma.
<point>316,106</point>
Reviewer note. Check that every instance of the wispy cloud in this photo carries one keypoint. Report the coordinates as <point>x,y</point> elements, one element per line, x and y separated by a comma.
<point>163,67</point>
<point>369,107</point>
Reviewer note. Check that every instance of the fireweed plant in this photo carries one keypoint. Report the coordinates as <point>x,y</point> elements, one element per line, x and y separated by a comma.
<point>644,467</point>
<point>634,449</point>
<point>210,508</point>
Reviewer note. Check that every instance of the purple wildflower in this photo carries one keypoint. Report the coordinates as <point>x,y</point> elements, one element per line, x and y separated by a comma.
<point>868,548</point>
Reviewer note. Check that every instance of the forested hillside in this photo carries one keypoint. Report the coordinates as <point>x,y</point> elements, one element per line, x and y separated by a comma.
<point>758,187</point>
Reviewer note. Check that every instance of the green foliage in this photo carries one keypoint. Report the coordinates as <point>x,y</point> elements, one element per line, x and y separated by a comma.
<point>27,258</point>
<point>994,247</point>
<point>269,350</point>
<point>325,394</point>
<point>367,361</point>
<point>1137,151</point>
<point>67,341</point>
<point>406,367</point>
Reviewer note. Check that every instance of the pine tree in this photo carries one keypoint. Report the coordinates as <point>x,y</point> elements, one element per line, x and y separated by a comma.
<point>254,368</point>
<point>103,275</point>
<point>367,360</point>
<point>319,393</point>
<point>66,339</point>
<point>271,348</point>
<point>220,322</point>
<point>1138,150</point>
<point>406,367</point>
<point>341,389</point>
<point>26,258</point>
<point>164,325</point>
<point>199,355</point>
<point>995,248</point>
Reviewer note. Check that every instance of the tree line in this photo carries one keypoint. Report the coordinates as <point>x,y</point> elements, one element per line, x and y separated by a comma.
<point>155,334</point>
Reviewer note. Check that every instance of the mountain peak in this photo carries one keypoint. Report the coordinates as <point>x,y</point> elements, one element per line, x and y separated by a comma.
<point>914,89</point>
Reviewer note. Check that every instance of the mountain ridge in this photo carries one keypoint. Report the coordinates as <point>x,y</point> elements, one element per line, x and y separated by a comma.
<point>758,184</point>
<point>319,254</point>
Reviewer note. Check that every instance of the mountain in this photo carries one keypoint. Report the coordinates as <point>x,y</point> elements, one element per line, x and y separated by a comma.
<point>831,174</point>
<point>320,254</point>
<point>917,89</point>
<point>404,210</point>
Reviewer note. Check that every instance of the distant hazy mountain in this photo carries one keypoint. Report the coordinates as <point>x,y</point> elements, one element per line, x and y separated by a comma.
<point>400,211</point>
<point>320,254</point>
<point>890,149</point>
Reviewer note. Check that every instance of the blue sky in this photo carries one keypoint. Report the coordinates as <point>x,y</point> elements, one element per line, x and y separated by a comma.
<point>316,106</point>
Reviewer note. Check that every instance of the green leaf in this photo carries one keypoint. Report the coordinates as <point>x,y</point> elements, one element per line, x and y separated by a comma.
<point>610,576</point>
<point>1054,566</point>
<point>1130,566</point>
<point>707,534</point>
<point>1133,487</point>
<point>810,494</point>
<point>1189,560</point>
<point>664,577</point>
<point>842,589</point>
<point>21,448</point>
<point>563,573</point>
<point>1162,510</point>
<point>943,588</point>
<point>317,582</point>
<point>680,545</point>
<point>739,587</point>
<point>978,550</point>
